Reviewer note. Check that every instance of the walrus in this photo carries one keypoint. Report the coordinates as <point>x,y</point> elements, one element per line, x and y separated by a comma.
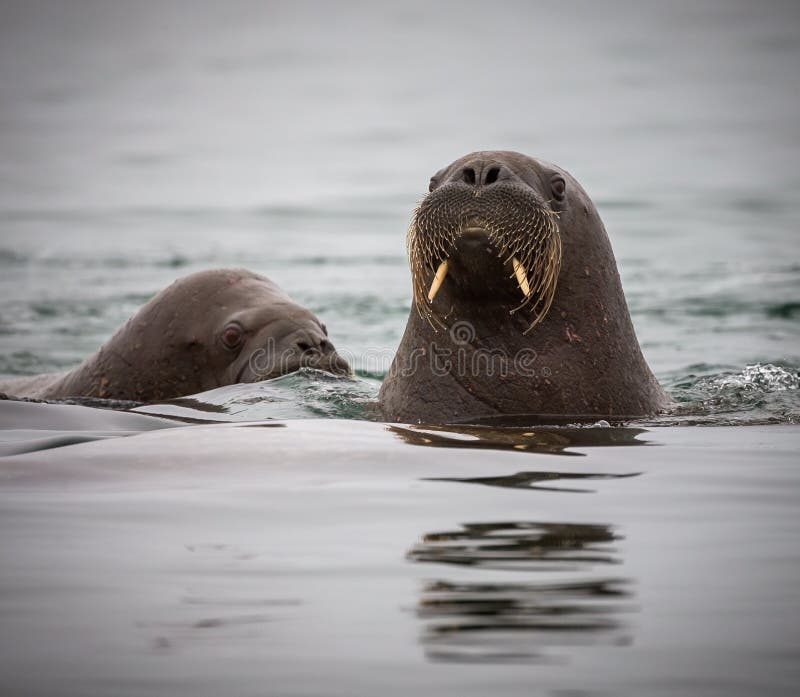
<point>517,303</point>
<point>206,330</point>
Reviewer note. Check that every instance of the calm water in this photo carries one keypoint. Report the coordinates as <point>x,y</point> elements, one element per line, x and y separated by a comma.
<point>322,557</point>
<point>143,141</point>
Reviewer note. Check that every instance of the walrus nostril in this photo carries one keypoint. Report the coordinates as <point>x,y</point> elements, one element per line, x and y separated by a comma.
<point>314,345</point>
<point>480,175</point>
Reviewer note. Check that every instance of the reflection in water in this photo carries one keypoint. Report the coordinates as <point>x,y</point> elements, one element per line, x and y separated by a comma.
<point>518,622</point>
<point>496,620</point>
<point>304,394</point>
<point>529,480</point>
<point>186,409</point>
<point>94,402</point>
<point>516,546</point>
<point>538,420</point>
<point>544,439</point>
<point>196,405</point>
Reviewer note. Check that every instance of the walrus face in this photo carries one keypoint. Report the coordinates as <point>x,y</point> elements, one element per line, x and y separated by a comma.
<point>488,229</point>
<point>276,339</point>
<point>238,326</point>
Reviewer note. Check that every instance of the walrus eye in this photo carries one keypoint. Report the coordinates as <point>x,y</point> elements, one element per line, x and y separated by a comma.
<point>558,187</point>
<point>432,184</point>
<point>232,336</point>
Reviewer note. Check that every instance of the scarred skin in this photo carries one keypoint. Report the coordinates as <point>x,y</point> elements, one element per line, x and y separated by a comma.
<point>582,359</point>
<point>176,344</point>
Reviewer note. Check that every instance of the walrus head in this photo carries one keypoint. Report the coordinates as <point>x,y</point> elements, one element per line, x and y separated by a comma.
<point>274,338</point>
<point>206,330</point>
<point>510,256</point>
<point>491,231</point>
<point>250,330</point>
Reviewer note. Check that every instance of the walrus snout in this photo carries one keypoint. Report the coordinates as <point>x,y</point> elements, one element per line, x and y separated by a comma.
<point>303,347</point>
<point>314,350</point>
<point>482,172</point>
<point>482,206</point>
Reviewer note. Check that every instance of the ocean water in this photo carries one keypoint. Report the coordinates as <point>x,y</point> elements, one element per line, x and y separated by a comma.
<point>143,141</point>
<point>326,557</point>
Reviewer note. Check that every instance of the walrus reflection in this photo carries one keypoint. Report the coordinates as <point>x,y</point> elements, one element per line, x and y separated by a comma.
<point>553,440</point>
<point>499,620</point>
<point>518,622</point>
<point>532,480</point>
<point>528,545</point>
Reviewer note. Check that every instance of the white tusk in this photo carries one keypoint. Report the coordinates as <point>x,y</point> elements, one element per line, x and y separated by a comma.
<point>522,277</point>
<point>441,272</point>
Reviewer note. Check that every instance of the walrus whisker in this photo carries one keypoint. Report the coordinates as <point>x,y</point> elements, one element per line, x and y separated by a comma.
<point>522,228</point>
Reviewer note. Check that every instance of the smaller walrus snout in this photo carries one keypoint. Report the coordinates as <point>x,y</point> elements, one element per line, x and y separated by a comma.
<point>314,344</point>
<point>316,351</point>
<point>300,347</point>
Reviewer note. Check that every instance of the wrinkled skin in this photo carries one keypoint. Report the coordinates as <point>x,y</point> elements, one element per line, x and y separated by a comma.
<point>206,330</point>
<point>581,358</point>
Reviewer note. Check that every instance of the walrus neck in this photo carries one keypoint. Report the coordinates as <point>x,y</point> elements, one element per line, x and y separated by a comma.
<point>486,360</point>
<point>111,373</point>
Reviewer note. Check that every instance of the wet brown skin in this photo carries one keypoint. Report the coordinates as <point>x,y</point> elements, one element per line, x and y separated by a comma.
<point>581,359</point>
<point>206,330</point>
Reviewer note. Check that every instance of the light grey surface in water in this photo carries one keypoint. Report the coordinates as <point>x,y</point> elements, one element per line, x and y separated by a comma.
<point>144,140</point>
<point>343,558</point>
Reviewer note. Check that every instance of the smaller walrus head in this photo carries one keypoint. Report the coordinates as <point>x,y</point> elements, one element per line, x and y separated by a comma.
<point>253,331</point>
<point>207,330</point>
<point>489,229</point>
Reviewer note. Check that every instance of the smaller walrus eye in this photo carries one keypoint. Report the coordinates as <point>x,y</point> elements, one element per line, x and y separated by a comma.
<point>232,336</point>
<point>432,184</point>
<point>558,187</point>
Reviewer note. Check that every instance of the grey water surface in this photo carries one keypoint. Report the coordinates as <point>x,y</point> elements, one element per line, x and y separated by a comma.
<point>321,557</point>
<point>318,554</point>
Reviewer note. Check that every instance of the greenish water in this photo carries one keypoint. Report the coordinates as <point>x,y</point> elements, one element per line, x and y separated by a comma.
<point>135,150</point>
<point>704,320</point>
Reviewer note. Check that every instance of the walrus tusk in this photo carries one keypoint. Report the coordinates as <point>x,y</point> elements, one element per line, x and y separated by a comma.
<point>522,277</point>
<point>441,272</point>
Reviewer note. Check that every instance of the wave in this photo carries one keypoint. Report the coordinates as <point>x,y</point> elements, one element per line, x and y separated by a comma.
<point>759,393</point>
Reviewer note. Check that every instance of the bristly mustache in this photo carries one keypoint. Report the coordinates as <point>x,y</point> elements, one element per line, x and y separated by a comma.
<point>522,227</point>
